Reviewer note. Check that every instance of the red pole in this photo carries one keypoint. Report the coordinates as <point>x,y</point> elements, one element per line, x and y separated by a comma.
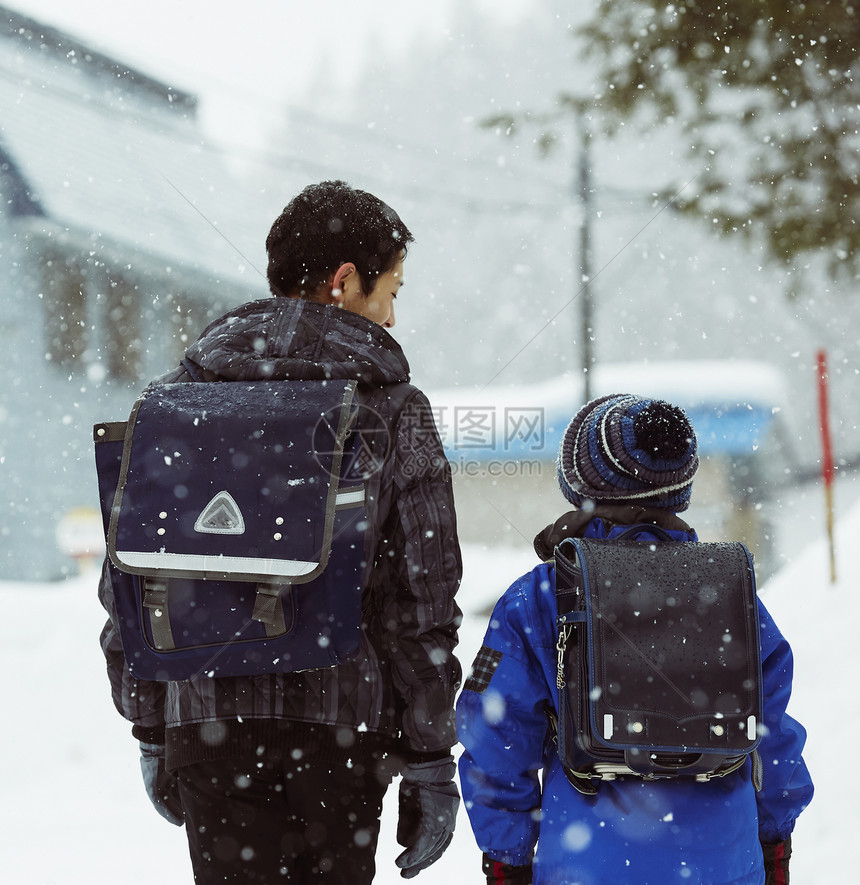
<point>827,469</point>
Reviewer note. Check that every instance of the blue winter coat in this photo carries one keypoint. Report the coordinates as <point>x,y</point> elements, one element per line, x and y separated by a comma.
<point>632,832</point>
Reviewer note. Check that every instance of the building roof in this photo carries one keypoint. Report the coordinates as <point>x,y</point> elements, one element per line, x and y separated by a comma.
<point>732,404</point>
<point>95,151</point>
<point>65,48</point>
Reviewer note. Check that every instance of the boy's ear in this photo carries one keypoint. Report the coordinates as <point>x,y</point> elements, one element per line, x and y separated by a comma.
<point>343,273</point>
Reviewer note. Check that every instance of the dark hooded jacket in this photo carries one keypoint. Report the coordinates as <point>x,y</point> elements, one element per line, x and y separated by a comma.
<point>400,691</point>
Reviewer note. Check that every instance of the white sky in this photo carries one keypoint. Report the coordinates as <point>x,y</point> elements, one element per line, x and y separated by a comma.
<point>246,59</point>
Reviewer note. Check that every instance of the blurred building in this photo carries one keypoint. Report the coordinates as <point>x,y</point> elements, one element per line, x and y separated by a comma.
<point>122,232</point>
<point>503,443</point>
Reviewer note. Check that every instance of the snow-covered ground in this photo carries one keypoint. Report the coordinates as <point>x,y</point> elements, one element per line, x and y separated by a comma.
<point>73,809</point>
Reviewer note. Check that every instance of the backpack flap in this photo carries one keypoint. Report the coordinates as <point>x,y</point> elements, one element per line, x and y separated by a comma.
<point>230,481</point>
<point>674,658</point>
<point>108,438</point>
<point>217,500</point>
<point>668,665</point>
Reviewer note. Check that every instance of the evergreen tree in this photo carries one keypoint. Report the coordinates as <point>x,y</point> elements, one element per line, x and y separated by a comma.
<point>768,95</point>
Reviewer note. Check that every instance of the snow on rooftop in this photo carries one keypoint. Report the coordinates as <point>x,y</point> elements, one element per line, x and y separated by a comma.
<point>113,161</point>
<point>685,383</point>
<point>731,404</point>
<point>689,383</point>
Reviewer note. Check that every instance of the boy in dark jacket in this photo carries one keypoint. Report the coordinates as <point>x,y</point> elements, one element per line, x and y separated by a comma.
<point>624,461</point>
<point>281,777</point>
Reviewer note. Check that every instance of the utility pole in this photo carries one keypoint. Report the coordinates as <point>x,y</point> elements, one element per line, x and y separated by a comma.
<point>585,294</point>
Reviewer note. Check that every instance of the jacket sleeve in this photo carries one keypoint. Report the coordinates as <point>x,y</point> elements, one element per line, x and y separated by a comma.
<point>422,568</point>
<point>502,726</point>
<point>786,784</point>
<point>139,701</point>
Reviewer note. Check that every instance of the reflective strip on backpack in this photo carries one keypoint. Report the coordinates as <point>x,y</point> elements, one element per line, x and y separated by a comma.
<point>350,497</point>
<point>202,564</point>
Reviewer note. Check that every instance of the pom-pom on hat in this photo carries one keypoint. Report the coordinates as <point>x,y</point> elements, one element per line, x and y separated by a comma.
<point>623,448</point>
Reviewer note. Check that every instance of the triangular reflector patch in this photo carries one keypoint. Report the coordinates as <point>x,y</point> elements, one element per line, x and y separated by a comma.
<point>221,516</point>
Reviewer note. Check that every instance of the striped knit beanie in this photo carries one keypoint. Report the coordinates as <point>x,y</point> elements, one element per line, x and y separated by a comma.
<point>623,448</point>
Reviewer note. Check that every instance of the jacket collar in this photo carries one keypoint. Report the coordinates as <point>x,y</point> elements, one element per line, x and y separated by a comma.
<point>574,524</point>
<point>294,339</point>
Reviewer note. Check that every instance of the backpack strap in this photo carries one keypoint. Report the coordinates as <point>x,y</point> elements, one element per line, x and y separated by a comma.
<point>660,534</point>
<point>155,602</point>
<point>581,782</point>
<point>568,590</point>
<point>266,608</point>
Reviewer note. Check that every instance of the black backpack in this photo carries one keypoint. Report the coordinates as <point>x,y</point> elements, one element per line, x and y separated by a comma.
<point>235,523</point>
<point>659,661</point>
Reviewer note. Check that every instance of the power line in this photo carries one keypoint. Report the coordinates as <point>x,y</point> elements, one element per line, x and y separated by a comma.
<point>415,147</point>
<point>588,282</point>
<point>183,130</point>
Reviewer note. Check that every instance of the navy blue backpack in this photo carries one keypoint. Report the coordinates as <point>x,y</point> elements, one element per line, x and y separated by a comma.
<point>235,525</point>
<point>659,661</point>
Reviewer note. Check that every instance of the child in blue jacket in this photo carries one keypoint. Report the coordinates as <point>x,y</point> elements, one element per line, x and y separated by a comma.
<point>624,461</point>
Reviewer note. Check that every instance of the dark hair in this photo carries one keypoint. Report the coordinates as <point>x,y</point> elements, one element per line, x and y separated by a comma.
<point>329,224</point>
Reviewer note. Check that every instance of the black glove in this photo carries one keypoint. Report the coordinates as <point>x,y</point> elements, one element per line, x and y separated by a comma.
<point>499,873</point>
<point>161,786</point>
<point>776,858</point>
<point>428,811</point>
